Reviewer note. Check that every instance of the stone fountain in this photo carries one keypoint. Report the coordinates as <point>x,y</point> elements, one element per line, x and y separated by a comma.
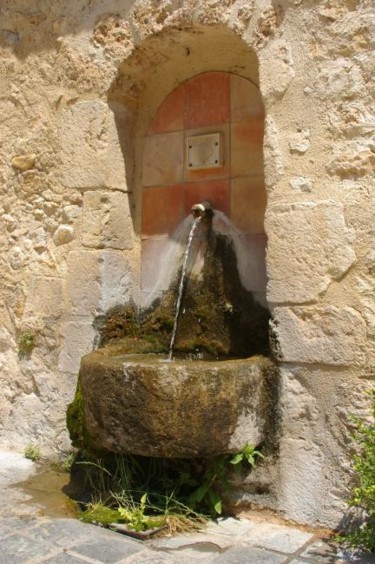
<point>186,381</point>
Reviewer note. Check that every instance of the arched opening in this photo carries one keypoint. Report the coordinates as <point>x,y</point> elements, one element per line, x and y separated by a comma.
<point>194,132</point>
<point>214,113</point>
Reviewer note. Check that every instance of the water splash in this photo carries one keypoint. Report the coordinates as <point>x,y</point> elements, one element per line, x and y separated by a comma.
<point>182,283</point>
<point>166,269</point>
<point>250,264</point>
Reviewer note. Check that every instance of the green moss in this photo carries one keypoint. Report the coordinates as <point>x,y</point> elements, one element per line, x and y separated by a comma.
<point>120,321</point>
<point>26,343</point>
<point>32,452</point>
<point>75,418</point>
<point>100,513</point>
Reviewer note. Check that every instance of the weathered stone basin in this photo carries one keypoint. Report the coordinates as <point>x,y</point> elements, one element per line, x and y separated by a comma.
<point>143,404</point>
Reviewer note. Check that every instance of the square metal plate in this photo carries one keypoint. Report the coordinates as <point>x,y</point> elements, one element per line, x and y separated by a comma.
<point>204,151</point>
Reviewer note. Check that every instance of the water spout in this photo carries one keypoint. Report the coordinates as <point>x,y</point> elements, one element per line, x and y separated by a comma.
<point>182,280</point>
<point>202,209</point>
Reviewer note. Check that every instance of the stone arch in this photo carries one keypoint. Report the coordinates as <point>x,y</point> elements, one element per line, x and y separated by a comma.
<point>153,70</point>
<point>211,107</point>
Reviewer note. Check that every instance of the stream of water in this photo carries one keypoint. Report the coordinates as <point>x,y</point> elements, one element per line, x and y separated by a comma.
<point>181,285</point>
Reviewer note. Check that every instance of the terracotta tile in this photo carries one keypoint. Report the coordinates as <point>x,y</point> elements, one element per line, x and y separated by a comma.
<point>245,100</point>
<point>208,173</point>
<point>247,148</point>
<point>163,159</point>
<point>161,209</point>
<point>248,203</point>
<point>252,264</point>
<point>170,114</point>
<point>207,99</point>
<point>214,191</point>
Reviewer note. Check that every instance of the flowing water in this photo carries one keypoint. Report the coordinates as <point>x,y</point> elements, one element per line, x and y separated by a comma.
<point>182,283</point>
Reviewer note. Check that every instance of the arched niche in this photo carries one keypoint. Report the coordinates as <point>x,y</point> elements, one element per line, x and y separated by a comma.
<point>152,99</point>
<point>218,113</point>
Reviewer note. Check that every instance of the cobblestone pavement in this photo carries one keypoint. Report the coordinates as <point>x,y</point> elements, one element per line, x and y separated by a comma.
<point>26,536</point>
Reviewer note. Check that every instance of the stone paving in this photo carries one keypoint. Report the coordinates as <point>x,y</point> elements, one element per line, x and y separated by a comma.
<point>27,537</point>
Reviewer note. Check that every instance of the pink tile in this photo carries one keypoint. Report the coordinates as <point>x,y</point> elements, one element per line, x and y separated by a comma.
<point>247,148</point>
<point>248,203</point>
<point>163,159</point>
<point>161,209</point>
<point>214,191</point>
<point>170,114</point>
<point>207,99</point>
<point>245,100</point>
<point>209,173</point>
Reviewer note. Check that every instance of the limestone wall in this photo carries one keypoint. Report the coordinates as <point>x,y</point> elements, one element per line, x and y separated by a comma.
<point>80,83</point>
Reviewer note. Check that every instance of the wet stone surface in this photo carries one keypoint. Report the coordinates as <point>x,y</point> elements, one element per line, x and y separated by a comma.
<point>29,534</point>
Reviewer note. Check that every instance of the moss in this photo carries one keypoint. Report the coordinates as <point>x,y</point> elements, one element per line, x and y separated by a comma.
<point>26,343</point>
<point>75,418</point>
<point>119,322</point>
<point>128,345</point>
<point>99,513</point>
<point>32,452</point>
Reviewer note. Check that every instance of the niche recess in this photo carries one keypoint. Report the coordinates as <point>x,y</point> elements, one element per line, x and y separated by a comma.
<point>209,108</point>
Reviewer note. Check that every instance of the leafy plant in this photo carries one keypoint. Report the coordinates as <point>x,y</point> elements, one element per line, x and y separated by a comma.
<point>146,492</point>
<point>63,464</point>
<point>67,462</point>
<point>136,518</point>
<point>247,454</point>
<point>363,495</point>
<point>32,452</point>
<point>215,478</point>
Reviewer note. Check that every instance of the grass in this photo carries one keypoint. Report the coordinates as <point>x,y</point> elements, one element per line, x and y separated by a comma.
<point>144,493</point>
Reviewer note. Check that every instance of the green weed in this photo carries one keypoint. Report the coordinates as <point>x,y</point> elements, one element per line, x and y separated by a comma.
<point>148,492</point>
<point>32,452</point>
<point>363,495</point>
<point>26,343</point>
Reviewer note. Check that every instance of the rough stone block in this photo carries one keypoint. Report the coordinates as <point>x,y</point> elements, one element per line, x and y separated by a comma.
<point>276,78</point>
<point>141,405</point>
<point>301,183</point>
<point>97,281</point>
<point>45,298</point>
<point>78,339</point>
<point>309,245</point>
<point>84,282</point>
<point>339,78</point>
<point>91,151</point>
<point>301,475</point>
<point>300,142</point>
<point>24,162</point>
<point>329,335</point>
<point>273,159</point>
<point>64,234</point>
<point>116,278</point>
<point>297,404</point>
<point>106,220</point>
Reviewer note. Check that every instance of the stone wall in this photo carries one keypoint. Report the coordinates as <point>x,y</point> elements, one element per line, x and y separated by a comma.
<point>81,81</point>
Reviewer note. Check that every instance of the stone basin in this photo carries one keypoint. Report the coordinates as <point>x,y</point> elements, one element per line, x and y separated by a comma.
<point>146,405</point>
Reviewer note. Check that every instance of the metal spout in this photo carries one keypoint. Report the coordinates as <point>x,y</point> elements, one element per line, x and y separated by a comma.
<point>202,209</point>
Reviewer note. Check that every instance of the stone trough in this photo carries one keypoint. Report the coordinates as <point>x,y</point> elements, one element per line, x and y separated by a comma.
<point>144,404</point>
